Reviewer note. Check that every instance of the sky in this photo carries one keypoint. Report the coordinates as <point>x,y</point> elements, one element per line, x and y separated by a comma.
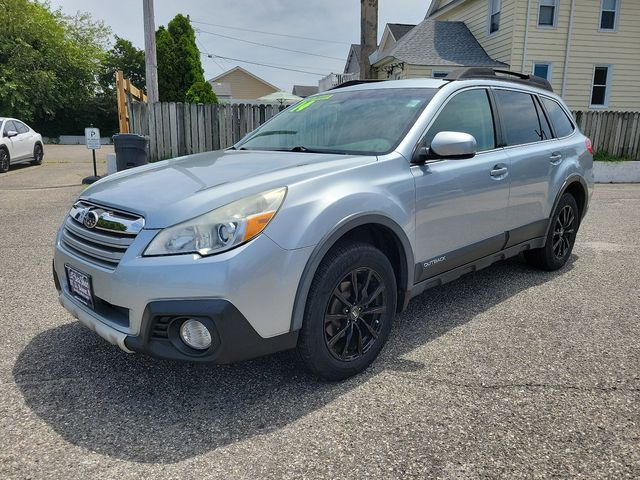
<point>327,20</point>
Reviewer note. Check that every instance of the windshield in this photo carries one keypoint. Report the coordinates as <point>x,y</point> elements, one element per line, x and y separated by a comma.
<point>365,122</point>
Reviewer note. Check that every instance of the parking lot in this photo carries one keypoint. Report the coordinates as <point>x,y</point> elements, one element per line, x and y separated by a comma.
<point>509,372</point>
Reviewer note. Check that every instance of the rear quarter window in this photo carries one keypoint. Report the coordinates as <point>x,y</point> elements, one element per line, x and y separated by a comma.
<point>21,127</point>
<point>562,125</point>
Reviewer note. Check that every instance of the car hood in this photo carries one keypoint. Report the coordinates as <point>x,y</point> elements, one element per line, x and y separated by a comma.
<point>172,191</point>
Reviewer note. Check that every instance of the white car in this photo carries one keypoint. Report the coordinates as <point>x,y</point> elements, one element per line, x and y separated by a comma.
<point>18,143</point>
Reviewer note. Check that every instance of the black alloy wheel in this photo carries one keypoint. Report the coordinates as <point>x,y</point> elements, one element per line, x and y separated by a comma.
<point>38,155</point>
<point>349,310</point>
<point>560,238</point>
<point>4,161</point>
<point>563,232</point>
<point>352,319</point>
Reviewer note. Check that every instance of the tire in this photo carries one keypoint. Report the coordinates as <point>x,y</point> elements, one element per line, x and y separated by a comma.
<point>4,160</point>
<point>343,331</point>
<point>561,237</point>
<point>38,155</point>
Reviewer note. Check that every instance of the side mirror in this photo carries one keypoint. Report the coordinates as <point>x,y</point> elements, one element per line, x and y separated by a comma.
<point>11,133</point>
<point>447,145</point>
<point>454,145</point>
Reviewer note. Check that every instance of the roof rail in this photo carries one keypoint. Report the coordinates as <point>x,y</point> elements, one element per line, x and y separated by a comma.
<point>350,83</point>
<point>491,74</point>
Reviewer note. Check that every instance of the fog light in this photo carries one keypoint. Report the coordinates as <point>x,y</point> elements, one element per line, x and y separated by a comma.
<point>195,334</point>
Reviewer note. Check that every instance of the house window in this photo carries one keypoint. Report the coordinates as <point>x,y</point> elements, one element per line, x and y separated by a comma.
<point>541,69</point>
<point>601,86</point>
<point>494,15</point>
<point>547,10</point>
<point>609,14</point>
<point>439,74</point>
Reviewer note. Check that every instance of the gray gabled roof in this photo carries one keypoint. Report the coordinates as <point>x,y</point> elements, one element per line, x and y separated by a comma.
<point>399,30</point>
<point>440,43</point>
<point>304,90</point>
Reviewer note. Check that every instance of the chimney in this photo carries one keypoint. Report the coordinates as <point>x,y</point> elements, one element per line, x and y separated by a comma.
<point>368,35</point>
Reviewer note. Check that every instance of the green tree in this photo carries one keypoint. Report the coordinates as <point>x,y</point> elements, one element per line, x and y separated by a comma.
<point>48,62</point>
<point>201,92</point>
<point>126,57</point>
<point>167,72</point>
<point>179,65</point>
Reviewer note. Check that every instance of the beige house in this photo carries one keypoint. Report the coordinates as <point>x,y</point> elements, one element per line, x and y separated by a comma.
<point>239,84</point>
<point>588,49</point>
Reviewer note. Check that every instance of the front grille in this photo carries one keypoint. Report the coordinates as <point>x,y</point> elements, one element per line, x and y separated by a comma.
<point>106,242</point>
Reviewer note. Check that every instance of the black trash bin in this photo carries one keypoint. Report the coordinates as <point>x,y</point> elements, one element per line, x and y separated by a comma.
<point>131,150</point>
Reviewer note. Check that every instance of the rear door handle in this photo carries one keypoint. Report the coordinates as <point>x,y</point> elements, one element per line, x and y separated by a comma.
<point>498,171</point>
<point>555,158</point>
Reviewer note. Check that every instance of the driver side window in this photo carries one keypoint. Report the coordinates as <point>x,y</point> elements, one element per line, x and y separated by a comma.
<point>467,112</point>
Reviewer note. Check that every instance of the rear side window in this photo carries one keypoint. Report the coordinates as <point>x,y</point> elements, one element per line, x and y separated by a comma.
<point>562,125</point>
<point>467,112</point>
<point>520,118</point>
<point>545,128</point>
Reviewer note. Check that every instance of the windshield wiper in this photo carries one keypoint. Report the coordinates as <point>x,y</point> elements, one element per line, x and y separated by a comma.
<point>298,148</point>
<point>275,132</point>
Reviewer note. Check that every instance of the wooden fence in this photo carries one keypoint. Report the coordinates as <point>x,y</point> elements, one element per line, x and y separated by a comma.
<point>176,129</point>
<point>617,133</point>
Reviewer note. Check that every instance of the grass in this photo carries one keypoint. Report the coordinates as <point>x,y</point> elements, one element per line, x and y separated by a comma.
<point>602,156</point>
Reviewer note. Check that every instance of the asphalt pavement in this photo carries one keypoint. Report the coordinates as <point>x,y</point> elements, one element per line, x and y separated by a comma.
<point>509,372</point>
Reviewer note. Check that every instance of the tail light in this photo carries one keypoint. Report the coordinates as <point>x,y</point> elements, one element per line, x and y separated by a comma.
<point>588,144</point>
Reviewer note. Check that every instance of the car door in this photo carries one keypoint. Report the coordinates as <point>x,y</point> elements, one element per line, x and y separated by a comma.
<point>13,143</point>
<point>25,144</point>
<point>461,205</point>
<point>533,155</point>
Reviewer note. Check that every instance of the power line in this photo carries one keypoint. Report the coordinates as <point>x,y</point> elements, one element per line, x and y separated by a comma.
<point>208,54</point>
<point>306,67</point>
<point>212,56</point>
<point>272,33</point>
<point>199,30</point>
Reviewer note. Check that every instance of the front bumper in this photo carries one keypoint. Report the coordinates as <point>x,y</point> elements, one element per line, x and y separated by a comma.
<point>233,338</point>
<point>246,293</point>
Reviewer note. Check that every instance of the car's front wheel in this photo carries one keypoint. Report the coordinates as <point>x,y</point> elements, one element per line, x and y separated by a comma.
<point>349,311</point>
<point>38,154</point>
<point>4,160</point>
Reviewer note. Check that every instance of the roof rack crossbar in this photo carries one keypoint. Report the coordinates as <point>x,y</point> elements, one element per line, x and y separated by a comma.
<point>506,75</point>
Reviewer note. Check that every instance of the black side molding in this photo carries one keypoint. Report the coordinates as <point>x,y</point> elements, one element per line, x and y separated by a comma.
<point>474,266</point>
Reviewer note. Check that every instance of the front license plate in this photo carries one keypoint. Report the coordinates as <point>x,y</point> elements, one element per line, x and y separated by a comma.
<point>80,286</point>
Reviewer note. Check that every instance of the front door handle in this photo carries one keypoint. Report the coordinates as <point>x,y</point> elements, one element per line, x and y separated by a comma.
<point>555,158</point>
<point>499,171</point>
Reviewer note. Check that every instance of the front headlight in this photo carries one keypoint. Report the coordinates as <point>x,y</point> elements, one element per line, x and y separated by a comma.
<point>220,229</point>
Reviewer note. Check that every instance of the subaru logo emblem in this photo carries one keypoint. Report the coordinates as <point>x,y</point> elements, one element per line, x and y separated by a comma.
<point>90,219</point>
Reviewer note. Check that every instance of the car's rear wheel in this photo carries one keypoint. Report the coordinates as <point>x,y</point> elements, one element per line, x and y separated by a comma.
<point>349,311</point>
<point>38,154</point>
<point>4,160</point>
<point>560,238</point>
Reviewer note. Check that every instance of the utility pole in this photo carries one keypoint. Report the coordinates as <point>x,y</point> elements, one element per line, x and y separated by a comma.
<point>150,60</point>
<point>368,35</point>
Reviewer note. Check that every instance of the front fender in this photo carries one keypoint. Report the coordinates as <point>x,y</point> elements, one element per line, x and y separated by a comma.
<point>317,214</point>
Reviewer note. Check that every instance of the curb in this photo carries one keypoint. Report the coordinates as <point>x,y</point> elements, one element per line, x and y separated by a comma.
<point>616,172</point>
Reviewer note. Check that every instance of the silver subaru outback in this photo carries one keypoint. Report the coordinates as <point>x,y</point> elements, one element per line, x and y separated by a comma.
<point>317,228</point>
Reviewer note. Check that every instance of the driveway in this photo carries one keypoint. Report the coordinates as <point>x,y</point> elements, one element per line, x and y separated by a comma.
<point>508,372</point>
